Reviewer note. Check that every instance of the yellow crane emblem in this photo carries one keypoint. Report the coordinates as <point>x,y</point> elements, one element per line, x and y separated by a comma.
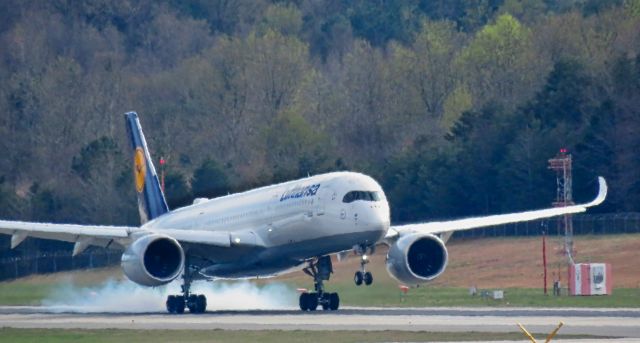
<point>139,169</point>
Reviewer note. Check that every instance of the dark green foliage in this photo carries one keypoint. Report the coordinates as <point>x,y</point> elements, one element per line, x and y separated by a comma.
<point>177,190</point>
<point>383,20</point>
<point>44,203</point>
<point>92,155</point>
<point>480,139</point>
<point>209,180</point>
<point>593,7</point>
<point>565,96</point>
<point>469,15</point>
<point>423,184</point>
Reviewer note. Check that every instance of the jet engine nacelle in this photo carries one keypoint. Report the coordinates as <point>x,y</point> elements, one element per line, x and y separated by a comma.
<point>153,260</point>
<point>417,258</point>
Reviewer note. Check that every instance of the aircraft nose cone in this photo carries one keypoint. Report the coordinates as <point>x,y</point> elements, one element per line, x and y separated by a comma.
<point>378,218</point>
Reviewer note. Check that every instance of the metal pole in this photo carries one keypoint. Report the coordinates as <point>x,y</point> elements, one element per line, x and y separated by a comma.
<point>162,162</point>
<point>526,333</point>
<point>544,260</point>
<point>553,333</point>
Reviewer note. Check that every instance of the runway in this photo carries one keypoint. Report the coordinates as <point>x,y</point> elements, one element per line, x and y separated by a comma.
<point>598,322</point>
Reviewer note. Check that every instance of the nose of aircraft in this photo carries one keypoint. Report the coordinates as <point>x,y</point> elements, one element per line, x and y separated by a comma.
<point>375,216</point>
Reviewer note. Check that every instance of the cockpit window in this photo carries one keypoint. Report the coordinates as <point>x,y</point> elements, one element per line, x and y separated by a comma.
<point>361,195</point>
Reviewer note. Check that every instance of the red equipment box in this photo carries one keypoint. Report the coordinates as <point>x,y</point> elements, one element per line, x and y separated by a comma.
<point>590,279</point>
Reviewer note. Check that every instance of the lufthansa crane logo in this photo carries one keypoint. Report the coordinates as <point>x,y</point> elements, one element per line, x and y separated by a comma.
<point>139,169</point>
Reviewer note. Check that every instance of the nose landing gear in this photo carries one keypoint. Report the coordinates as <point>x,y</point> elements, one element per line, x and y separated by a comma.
<point>363,275</point>
<point>320,270</point>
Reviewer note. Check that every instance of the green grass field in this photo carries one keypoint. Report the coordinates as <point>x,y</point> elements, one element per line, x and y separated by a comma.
<point>17,293</point>
<point>266,336</point>
<point>441,296</point>
<point>28,292</point>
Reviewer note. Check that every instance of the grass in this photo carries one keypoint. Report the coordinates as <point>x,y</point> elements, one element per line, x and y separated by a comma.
<point>27,292</point>
<point>17,293</point>
<point>32,290</point>
<point>513,297</point>
<point>277,336</point>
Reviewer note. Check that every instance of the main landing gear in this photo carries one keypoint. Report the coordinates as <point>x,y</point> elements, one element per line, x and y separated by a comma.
<point>194,302</point>
<point>363,275</point>
<point>320,270</point>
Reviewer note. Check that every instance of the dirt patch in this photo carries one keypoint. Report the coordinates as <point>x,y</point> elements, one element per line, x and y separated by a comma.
<point>512,262</point>
<point>518,262</point>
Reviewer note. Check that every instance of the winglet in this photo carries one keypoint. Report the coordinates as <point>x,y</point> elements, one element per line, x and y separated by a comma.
<point>602,193</point>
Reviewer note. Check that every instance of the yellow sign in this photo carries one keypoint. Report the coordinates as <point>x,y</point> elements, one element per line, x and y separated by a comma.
<point>139,169</point>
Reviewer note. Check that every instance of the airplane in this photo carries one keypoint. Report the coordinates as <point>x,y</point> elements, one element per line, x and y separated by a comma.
<point>268,231</point>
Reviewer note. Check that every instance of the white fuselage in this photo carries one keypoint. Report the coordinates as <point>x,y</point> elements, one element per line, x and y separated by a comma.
<point>283,225</point>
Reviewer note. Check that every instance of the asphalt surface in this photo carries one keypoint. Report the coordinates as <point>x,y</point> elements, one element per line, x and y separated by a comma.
<point>624,323</point>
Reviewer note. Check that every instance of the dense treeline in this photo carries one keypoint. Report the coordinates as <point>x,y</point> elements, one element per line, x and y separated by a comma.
<point>454,106</point>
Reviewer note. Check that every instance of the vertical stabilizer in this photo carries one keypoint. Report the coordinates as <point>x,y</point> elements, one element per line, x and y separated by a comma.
<point>151,201</point>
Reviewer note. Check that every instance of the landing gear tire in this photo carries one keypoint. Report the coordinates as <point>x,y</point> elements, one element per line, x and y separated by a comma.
<point>358,277</point>
<point>171,304</point>
<point>197,303</point>
<point>330,301</point>
<point>304,302</point>
<point>334,301</point>
<point>312,305</point>
<point>308,301</point>
<point>368,278</point>
<point>202,303</point>
<point>179,303</point>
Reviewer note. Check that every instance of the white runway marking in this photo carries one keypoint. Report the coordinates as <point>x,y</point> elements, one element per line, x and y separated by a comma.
<point>599,322</point>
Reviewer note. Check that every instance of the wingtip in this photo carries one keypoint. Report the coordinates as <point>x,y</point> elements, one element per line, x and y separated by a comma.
<point>602,192</point>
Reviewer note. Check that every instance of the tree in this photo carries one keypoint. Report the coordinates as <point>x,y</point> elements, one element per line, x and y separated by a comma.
<point>368,106</point>
<point>479,139</point>
<point>177,190</point>
<point>381,21</point>
<point>565,97</point>
<point>209,180</point>
<point>284,19</point>
<point>499,64</point>
<point>427,67</point>
<point>92,155</point>
<point>296,149</point>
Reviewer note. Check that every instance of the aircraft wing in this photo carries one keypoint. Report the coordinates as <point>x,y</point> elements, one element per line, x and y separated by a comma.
<point>104,236</point>
<point>82,235</point>
<point>444,227</point>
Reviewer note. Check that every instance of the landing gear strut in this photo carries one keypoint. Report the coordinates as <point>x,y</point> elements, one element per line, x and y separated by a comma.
<point>362,275</point>
<point>194,302</point>
<point>320,270</point>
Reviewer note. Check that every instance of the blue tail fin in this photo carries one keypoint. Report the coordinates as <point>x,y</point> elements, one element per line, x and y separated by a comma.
<point>151,201</point>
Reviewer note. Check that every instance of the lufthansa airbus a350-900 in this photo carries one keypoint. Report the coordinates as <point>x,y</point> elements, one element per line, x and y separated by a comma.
<point>268,231</point>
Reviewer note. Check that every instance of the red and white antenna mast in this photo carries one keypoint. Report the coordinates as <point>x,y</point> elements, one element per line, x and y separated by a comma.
<point>561,164</point>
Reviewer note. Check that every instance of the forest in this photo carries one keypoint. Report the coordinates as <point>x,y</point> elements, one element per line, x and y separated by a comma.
<point>454,106</point>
